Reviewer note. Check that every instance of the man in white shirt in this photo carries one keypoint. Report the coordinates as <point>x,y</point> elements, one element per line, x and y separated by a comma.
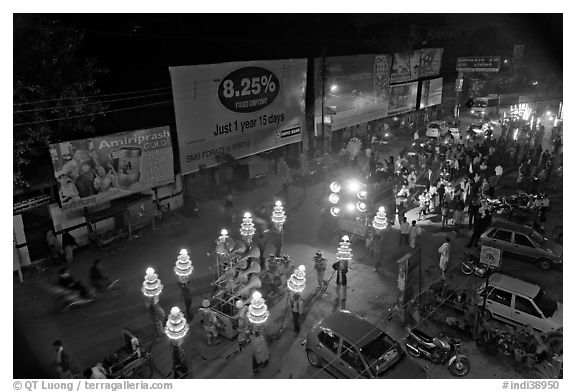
<point>444,251</point>
<point>404,231</point>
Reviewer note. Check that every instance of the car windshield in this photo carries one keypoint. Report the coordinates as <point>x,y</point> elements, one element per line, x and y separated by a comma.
<point>380,353</point>
<point>546,304</point>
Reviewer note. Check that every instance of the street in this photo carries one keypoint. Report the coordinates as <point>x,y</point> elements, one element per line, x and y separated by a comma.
<point>92,332</point>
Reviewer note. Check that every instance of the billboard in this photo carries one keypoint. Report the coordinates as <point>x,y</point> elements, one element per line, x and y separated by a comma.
<point>402,98</point>
<point>356,88</point>
<point>99,169</point>
<point>237,109</point>
<point>431,93</point>
<point>478,64</point>
<point>405,66</point>
<point>430,62</point>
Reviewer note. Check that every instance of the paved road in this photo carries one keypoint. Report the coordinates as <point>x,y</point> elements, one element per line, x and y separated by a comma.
<point>92,332</point>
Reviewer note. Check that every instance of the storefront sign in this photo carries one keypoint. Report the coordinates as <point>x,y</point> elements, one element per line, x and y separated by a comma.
<point>490,256</point>
<point>96,170</point>
<point>478,64</point>
<point>356,88</point>
<point>402,98</point>
<point>431,94</point>
<point>28,204</point>
<point>430,62</point>
<point>405,66</point>
<point>233,110</point>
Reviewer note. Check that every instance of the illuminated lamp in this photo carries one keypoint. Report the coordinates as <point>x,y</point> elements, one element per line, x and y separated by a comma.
<point>361,206</point>
<point>333,88</point>
<point>334,198</point>
<point>278,215</point>
<point>183,268</point>
<point>380,222</point>
<point>176,326</point>
<point>257,310</point>
<point>344,253</point>
<point>362,194</point>
<point>350,207</point>
<point>354,186</point>
<point>247,229</point>
<point>297,280</point>
<point>550,118</point>
<point>224,244</point>
<point>335,187</point>
<point>152,286</point>
<point>335,211</point>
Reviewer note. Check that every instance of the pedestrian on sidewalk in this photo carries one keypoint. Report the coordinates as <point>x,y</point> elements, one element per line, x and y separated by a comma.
<point>297,306</point>
<point>68,245</point>
<point>413,234</point>
<point>63,366</point>
<point>261,353</point>
<point>404,231</point>
<point>341,269</point>
<point>444,251</point>
<point>320,264</point>
<point>445,212</point>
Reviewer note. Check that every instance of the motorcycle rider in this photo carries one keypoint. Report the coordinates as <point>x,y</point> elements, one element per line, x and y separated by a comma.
<point>66,281</point>
<point>98,279</point>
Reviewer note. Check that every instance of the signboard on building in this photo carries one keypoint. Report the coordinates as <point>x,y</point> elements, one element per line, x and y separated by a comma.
<point>356,89</point>
<point>431,93</point>
<point>233,110</point>
<point>478,64</point>
<point>402,98</point>
<point>490,256</point>
<point>405,66</point>
<point>30,203</point>
<point>99,169</point>
<point>430,62</point>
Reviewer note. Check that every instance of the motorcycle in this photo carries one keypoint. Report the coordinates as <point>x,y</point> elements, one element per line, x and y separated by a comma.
<point>70,299</point>
<point>438,351</point>
<point>470,264</point>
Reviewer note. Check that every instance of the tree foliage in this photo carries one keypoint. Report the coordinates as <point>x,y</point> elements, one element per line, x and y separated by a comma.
<point>52,80</point>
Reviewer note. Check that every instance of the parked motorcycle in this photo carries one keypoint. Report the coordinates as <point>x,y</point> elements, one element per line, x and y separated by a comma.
<point>438,350</point>
<point>470,264</point>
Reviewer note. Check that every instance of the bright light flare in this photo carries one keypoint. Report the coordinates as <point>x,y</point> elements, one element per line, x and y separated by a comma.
<point>350,207</point>
<point>354,186</point>
<point>335,187</point>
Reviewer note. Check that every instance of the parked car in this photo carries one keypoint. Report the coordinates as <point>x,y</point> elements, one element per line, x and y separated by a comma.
<point>524,242</point>
<point>437,128</point>
<point>517,302</point>
<point>349,346</point>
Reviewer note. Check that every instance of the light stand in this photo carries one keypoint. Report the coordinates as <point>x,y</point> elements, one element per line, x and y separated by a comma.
<point>151,288</point>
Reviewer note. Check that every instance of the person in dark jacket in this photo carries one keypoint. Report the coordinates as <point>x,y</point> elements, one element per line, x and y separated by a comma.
<point>62,361</point>
<point>473,209</point>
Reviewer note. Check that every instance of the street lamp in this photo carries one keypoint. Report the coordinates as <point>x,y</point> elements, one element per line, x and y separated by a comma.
<point>151,288</point>
<point>247,229</point>
<point>257,311</point>
<point>278,215</point>
<point>176,329</point>
<point>297,280</point>
<point>380,221</point>
<point>344,254</point>
<point>183,270</point>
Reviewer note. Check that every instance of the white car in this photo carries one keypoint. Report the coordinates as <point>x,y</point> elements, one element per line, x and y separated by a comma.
<point>517,302</point>
<point>437,128</point>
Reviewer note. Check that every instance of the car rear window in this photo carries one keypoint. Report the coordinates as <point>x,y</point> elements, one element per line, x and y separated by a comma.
<point>435,126</point>
<point>546,304</point>
<point>381,348</point>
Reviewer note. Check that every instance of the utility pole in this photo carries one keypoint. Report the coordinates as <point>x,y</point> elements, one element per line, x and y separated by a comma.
<point>323,86</point>
<point>459,83</point>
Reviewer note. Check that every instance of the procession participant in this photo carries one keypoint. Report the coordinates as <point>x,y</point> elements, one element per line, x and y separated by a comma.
<point>320,263</point>
<point>209,322</point>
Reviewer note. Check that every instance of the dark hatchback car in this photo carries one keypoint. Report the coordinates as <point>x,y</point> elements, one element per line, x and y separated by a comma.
<point>348,346</point>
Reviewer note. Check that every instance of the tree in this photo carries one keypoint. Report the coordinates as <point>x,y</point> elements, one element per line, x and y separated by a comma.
<point>51,81</point>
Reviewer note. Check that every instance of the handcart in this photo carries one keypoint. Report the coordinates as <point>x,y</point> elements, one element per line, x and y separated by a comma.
<point>130,360</point>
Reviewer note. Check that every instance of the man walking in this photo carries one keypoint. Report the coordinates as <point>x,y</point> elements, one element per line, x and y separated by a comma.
<point>297,305</point>
<point>404,231</point>
<point>444,251</point>
<point>62,361</point>
<point>320,263</point>
<point>413,234</point>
